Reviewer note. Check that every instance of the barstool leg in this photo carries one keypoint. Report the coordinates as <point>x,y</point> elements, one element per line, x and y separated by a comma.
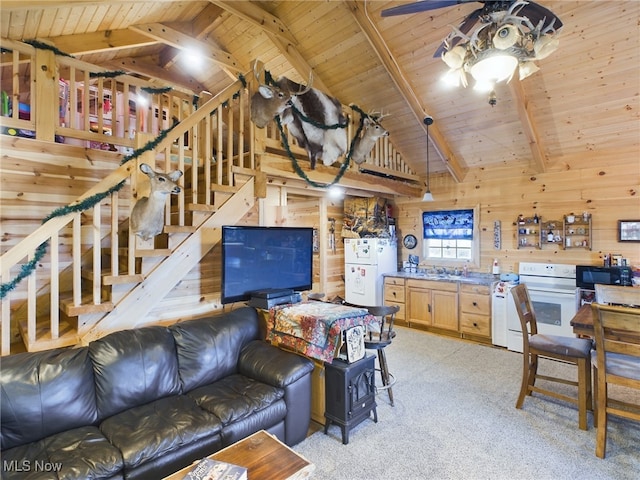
<point>384,373</point>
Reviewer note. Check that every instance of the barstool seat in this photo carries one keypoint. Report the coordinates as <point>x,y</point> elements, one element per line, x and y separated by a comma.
<point>380,340</point>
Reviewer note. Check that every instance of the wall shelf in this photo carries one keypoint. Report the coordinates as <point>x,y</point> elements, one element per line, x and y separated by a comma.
<point>528,232</point>
<point>577,231</point>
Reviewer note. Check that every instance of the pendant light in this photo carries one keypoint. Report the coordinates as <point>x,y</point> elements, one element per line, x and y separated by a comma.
<point>427,197</point>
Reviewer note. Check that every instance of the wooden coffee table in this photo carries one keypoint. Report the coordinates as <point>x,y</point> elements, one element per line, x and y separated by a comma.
<point>264,456</point>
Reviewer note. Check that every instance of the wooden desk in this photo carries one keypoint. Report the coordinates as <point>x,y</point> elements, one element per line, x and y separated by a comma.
<point>582,324</point>
<point>264,456</point>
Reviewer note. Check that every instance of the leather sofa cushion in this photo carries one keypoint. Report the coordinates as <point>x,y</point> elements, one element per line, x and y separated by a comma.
<point>134,367</point>
<point>155,430</point>
<point>236,397</point>
<point>208,348</point>
<point>78,454</point>
<point>45,393</point>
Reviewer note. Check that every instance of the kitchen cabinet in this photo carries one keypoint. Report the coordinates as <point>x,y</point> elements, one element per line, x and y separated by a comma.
<point>475,310</point>
<point>577,231</point>
<point>432,304</point>
<point>448,307</point>
<point>394,295</point>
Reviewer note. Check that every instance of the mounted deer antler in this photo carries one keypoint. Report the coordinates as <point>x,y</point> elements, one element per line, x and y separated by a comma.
<point>371,132</point>
<point>147,215</point>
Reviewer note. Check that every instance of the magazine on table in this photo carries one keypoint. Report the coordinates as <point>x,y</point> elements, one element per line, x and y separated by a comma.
<point>209,469</point>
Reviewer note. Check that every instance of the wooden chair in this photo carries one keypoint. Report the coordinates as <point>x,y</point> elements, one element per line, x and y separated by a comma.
<point>617,295</point>
<point>380,340</point>
<point>565,349</point>
<point>616,361</point>
<point>318,296</point>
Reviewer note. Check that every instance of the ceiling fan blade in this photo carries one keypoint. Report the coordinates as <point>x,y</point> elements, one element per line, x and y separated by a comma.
<point>421,6</point>
<point>536,12</point>
<point>465,27</point>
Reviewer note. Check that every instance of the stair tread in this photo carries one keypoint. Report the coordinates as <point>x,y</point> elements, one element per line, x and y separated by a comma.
<point>148,252</point>
<point>109,279</point>
<point>180,229</point>
<point>201,207</point>
<point>67,335</point>
<point>86,306</point>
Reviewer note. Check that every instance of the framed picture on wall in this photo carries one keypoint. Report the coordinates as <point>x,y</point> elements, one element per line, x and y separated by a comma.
<point>629,230</point>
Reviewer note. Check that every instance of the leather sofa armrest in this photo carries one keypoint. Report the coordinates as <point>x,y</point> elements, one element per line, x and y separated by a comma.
<point>269,364</point>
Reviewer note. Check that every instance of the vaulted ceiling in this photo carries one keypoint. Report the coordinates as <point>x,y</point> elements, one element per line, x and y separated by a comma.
<point>584,101</point>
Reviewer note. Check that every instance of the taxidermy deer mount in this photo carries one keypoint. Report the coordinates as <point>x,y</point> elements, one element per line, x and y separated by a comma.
<point>147,215</point>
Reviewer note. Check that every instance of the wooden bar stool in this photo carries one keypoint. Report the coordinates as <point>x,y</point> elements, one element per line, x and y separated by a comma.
<point>380,340</point>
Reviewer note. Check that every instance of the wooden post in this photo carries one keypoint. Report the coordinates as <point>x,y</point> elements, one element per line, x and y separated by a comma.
<point>47,103</point>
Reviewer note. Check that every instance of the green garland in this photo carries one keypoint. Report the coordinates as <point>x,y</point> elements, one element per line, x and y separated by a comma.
<point>294,162</point>
<point>152,90</point>
<point>114,74</point>
<point>81,206</point>
<point>25,270</point>
<point>46,46</point>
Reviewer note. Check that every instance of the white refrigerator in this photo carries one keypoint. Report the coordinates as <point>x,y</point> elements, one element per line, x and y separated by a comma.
<point>366,260</point>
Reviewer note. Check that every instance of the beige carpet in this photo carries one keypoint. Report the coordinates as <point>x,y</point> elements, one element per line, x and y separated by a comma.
<point>455,418</point>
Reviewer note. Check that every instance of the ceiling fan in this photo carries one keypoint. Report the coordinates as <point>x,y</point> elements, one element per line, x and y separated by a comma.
<point>511,36</point>
<point>534,12</point>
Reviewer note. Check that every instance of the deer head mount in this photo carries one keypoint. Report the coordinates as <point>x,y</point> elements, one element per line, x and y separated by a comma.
<point>372,130</point>
<point>147,215</point>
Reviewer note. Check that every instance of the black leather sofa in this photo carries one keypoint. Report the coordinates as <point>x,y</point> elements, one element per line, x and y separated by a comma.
<point>145,402</point>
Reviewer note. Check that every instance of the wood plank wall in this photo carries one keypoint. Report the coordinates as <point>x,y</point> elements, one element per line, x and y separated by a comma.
<point>607,185</point>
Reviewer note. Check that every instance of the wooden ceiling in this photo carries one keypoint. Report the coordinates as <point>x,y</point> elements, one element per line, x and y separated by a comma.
<point>583,101</point>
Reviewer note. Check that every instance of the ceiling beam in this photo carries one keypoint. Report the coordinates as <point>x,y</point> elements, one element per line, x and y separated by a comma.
<point>454,167</point>
<point>522,103</point>
<point>23,5</point>
<point>254,14</point>
<point>200,27</point>
<point>181,41</point>
<point>278,33</point>
<point>151,70</point>
<point>109,40</point>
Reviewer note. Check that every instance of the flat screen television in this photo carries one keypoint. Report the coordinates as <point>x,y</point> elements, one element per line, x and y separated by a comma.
<point>260,258</point>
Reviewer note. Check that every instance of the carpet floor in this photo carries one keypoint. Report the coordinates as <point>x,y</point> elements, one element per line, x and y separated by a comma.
<point>455,418</point>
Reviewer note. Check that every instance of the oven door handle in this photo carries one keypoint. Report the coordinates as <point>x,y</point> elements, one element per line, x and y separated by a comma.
<point>553,293</point>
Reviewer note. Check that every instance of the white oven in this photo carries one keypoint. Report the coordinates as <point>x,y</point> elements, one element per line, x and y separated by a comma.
<point>553,292</point>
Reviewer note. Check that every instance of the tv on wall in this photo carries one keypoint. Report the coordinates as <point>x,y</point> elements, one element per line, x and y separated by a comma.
<point>260,258</point>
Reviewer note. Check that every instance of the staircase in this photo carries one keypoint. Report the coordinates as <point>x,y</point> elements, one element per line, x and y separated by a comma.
<point>113,279</point>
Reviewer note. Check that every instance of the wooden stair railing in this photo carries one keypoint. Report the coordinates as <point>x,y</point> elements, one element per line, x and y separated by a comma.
<point>65,288</point>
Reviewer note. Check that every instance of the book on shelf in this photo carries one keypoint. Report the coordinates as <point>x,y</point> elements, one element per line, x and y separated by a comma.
<point>209,469</point>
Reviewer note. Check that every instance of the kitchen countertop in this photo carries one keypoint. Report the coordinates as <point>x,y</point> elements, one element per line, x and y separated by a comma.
<point>472,278</point>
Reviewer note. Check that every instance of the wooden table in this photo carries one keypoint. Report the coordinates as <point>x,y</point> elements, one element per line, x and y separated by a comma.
<point>582,324</point>
<point>264,456</point>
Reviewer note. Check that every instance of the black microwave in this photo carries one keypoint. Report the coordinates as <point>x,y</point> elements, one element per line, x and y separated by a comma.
<point>588,275</point>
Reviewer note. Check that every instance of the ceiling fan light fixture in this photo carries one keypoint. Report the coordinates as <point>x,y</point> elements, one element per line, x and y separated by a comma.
<point>494,68</point>
<point>511,36</point>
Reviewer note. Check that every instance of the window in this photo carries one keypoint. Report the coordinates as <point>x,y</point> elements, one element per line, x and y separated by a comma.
<point>450,236</point>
